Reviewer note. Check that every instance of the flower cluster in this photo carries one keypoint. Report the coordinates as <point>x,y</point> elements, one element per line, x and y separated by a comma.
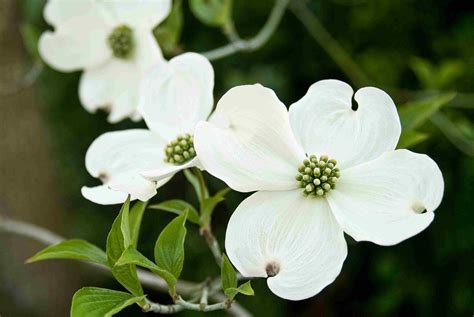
<point>114,56</point>
<point>318,170</point>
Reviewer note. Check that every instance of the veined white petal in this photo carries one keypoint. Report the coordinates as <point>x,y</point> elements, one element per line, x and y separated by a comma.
<point>136,185</point>
<point>382,200</point>
<point>114,85</point>
<point>249,143</point>
<point>296,235</point>
<point>57,12</point>
<point>117,158</point>
<point>72,46</point>
<point>176,95</point>
<point>142,13</point>
<point>104,195</point>
<point>324,122</point>
<point>165,170</point>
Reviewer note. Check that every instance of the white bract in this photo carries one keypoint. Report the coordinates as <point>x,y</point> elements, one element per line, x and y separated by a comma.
<point>319,169</point>
<point>174,97</point>
<point>112,41</point>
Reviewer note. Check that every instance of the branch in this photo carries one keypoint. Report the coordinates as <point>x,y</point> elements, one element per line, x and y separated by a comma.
<point>146,278</point>
<point>239,45</point>
<point>328,43</point>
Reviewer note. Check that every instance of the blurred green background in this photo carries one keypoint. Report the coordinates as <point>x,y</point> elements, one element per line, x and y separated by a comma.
<point>418,51</point>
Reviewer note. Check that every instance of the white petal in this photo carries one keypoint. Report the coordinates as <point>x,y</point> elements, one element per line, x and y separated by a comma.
<point>381,201</point>
<point>175,96</point>
<point>298,234</point>
<point>249,143</point>
<point>72,46</point>
<point>57,12</point>
<point>114,86</point>
<point>117,158</point>
<point>143,13</point>
<point>167,170</point>
<point>325,123</point>
<point>104,195</point>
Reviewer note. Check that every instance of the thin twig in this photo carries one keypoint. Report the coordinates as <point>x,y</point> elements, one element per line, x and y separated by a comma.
<point>256,42</point>
<point>213,244</point>
<point>329,43</point>
<point>146,278</point>
<point>191,306</point>
<point>204,295</point>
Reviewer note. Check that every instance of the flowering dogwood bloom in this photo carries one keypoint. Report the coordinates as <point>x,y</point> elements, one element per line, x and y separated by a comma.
<point>174,97</point>
<point>320,169</point>
<point>112,41</point>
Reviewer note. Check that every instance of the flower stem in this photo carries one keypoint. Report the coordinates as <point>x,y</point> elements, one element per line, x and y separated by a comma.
<point>213,244</point>
<point>332,47</point>
<point>239,45</point>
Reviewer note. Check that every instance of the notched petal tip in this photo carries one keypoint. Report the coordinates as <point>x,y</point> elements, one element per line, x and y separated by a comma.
<point>272,269</point>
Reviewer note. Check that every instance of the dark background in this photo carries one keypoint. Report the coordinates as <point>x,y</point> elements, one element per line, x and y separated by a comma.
<point>45,132</point>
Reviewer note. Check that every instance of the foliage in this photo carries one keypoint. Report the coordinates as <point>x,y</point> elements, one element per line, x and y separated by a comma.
<point>429,275</point>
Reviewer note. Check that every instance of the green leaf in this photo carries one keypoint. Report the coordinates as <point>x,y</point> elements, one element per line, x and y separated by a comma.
<point>117,241</point>
<point>414,114</point>
<point>409,139</point>
<point>71,249</point>
<point>168,33</point>
<point>212,12</point>
<point>208,205</point>
<point>100,302</point>
<point>453,133</point>
<point>178,206</point>
<point>132,256</point>
<point>135,218</point>
<point>424,71</point>
<point>196,179</point>
<point>228,274</point>
<point>30,35</point>
<point>169,248</point>
<point>244,289</point>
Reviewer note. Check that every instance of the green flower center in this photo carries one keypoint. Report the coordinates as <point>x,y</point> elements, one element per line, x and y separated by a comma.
<point>180,150</point>
<point>121,41</point>
<point>318,176</point>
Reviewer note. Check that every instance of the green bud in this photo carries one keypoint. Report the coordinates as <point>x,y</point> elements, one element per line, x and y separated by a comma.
<point>317,176</point>
<point>180,150</point>
<point>121,41</point>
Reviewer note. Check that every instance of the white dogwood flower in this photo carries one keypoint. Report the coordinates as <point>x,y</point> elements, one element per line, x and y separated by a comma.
<point>112,41</point>
<point>320,169</point>
<point>174,97</point>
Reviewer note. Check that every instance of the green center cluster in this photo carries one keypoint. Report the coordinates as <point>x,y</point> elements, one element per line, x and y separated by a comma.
<point>180,151</point>
<point>121,41</point>
<point>318,176</point>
